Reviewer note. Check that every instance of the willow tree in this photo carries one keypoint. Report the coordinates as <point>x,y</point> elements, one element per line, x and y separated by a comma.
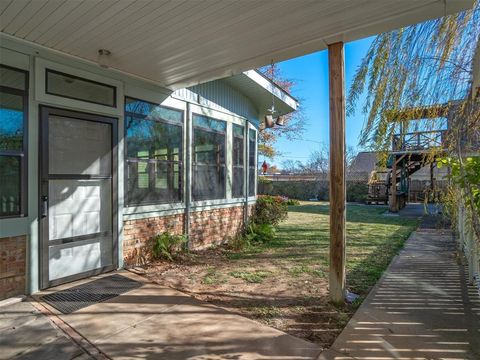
<point>426,67</point>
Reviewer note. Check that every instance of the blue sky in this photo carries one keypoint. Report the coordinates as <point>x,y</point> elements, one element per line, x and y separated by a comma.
<point>310,73</point>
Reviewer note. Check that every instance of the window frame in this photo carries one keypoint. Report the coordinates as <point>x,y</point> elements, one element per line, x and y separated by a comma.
<point>22,154</point>
<point>242,166</point>
<point>180,162</point>
<point>194,163</point>
<point>49,70</point>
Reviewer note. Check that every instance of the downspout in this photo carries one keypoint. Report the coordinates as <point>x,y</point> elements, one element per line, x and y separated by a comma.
<point>188,174</point>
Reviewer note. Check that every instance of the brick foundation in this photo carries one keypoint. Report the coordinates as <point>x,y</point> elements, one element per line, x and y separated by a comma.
<point>12,266</point>
<point>136,234</point>
<point>216,226</point>
<point>207,227</point>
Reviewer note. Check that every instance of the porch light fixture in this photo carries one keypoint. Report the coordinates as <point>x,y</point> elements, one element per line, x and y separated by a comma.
<point>103,58</point>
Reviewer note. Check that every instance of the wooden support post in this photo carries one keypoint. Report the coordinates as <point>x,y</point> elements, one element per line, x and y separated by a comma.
<point>337,171</point>
<point>393,191</point>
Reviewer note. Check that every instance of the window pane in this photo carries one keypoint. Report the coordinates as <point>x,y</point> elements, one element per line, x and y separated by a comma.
<point>209,158</point>
<point>238,161</point>
<point>251,148</point>
<point>237,151</point>
<point>153,139</point>
<point>153,182</point>
<point>12,78</point>
<point>209,123</point>
<point>70,86</point>
<point>152,111</point>
<point>251,182</point>
<point>209,182</point>
<point>11,121</point>
<point>209,147</point>
<point>238,180</point>
<point>66,135</point>
<point>10,185</point>
<point>251,162</point>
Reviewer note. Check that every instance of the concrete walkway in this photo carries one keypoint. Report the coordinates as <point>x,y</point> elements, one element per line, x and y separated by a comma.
<point>422,308</point>
<point>153,322</point>
<point>27,334</point>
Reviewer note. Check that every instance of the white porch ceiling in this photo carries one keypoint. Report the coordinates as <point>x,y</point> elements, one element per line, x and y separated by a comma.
<point>178,43</point>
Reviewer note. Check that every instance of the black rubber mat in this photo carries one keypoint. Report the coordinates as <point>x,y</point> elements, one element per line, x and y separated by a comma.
<point>81,296</point>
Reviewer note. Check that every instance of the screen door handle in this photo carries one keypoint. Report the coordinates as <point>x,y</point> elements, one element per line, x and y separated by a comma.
<point>44,206</point>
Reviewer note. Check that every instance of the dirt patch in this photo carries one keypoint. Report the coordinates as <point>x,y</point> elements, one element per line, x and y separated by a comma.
<point>296,303</point>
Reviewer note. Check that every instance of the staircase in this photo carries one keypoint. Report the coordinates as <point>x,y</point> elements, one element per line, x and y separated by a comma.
<point>411,152</point>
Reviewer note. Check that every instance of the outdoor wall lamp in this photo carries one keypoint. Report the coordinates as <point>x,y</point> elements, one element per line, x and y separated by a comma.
<point>103,58</point>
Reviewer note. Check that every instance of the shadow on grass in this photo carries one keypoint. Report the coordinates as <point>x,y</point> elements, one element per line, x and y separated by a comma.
<point>355,213</point>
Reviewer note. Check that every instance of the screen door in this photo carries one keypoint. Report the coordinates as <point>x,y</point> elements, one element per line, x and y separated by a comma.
<point>77,195</point>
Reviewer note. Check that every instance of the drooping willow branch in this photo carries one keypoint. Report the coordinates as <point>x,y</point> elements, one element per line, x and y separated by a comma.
<point>425,67</point>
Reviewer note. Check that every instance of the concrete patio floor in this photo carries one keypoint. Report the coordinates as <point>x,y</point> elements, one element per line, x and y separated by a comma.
<point>422,308</point>
<point>153,322</point>
<point>27,334</point>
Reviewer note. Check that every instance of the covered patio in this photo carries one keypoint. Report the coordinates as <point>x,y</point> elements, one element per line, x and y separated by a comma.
<point>187,67</point>
<point>156,46</point>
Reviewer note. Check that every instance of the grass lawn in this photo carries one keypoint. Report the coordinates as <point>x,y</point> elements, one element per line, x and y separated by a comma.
<point>284,283</point>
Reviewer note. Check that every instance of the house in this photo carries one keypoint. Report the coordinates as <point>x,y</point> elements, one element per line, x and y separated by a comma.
<point>121,119</point>
<point>119,161</point>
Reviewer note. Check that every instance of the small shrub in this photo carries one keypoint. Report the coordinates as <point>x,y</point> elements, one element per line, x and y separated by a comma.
<point>239,242</point>
<point>293,202</point>
<point>269,210</point>
<point>259,233</point>
<point>166,245</point>
<point>357,192</point>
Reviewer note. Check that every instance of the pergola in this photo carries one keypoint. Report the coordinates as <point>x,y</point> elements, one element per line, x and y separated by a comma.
<point>177,44</point>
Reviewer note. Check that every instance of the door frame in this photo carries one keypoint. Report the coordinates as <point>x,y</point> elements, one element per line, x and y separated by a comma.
<point>43,225</point>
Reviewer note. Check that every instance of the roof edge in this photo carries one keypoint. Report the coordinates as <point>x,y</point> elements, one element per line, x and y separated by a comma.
<point>272,88</point>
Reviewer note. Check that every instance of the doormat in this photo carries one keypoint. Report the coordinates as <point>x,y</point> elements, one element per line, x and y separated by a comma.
<point>81,296</point>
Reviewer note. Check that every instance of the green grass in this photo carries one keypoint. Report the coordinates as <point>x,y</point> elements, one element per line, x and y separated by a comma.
<point>212,277</point>
<point>254,277</point>
<point>302,242</point>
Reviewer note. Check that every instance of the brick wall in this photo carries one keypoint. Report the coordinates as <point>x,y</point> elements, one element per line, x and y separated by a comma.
<point>214,226</point>
<point>137,233</point>
<point>207,227</point>
<point>12,266</point>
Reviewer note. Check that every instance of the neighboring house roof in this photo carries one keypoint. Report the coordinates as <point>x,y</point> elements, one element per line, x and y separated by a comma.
<point>367,162</point>
<point>364,161</point>
<point>180,44</point>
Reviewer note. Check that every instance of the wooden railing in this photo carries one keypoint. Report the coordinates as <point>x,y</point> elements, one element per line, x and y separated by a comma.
<point>420,140</point>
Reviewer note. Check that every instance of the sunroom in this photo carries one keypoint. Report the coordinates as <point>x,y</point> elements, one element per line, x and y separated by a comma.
<point>94,163</point>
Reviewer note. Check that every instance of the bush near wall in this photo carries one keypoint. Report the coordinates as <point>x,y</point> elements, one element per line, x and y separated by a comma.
<point>307,190</point>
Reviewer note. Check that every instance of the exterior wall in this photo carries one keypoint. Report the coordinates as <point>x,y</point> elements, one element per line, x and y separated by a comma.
<point>213,227</point>
<point>207,228</point>
<point>218,95</point>
<point>136,224</point>
<point>12,266</point>
<point>137,233</point>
